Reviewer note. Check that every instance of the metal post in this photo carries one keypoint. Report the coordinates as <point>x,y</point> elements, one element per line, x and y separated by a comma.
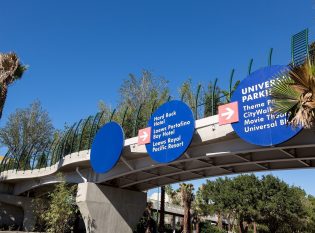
<point>75,133</point>
<point>231,83</point>
<point>82,132</point>
<point>112,115</point>
<point>124,117</point>
<point>153,107</point>
<point>270,57</point>
<point>250,66</point>
<point>213,96</point>
<point>136,121</point>
<point>196,103</point>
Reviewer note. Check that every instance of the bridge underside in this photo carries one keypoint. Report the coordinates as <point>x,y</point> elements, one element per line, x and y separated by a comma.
<point>220,158</point>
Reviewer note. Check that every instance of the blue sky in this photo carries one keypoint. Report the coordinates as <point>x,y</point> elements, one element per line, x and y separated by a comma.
<point>79,52</point>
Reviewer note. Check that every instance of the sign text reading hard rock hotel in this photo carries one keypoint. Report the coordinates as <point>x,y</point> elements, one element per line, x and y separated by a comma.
<point>172,128</point>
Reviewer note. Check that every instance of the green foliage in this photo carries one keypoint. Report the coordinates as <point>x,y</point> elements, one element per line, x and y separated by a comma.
<point>269,202</point>
<point>60,215</point>
<point>29,126</point>
<point>28,131</point>
<point>139,97</point>
<point>207,227</point>
<point>293,94</point>
<point>212,100</point>
<point>280,206</point>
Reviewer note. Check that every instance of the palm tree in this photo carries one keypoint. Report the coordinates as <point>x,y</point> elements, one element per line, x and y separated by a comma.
<point>162,210</point>
<point>10,70</point>
<point>187,196</point>
<point>294,94</point>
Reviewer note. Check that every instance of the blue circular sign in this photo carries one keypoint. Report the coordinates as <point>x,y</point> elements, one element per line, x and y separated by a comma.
<point>172,128</point>
<point>257,124</point>
<point>107,147</point>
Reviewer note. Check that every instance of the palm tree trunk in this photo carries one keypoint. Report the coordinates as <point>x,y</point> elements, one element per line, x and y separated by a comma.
<point>197,227</point>
<point>3,96</point>
<point>219,220</point>
<point>243,228</point>
<point>162,210</point>
<point>187,227</point>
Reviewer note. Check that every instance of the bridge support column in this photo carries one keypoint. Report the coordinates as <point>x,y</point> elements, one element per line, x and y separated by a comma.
<point>107,209</point>
<point>26,204</point>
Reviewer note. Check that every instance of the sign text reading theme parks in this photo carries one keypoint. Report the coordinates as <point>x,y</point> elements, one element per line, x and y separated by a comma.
<point>172,128</point>
<point>257,124</point>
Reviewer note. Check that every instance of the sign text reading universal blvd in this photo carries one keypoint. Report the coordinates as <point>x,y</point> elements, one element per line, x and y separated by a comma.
<point>228,113</point>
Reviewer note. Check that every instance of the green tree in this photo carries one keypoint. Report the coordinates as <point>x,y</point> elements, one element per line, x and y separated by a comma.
<point>61,213</point>
<point>139,97</point>
<point>246,193</point>
<point>27,128</point>
<point>310,208</point>
<point>11,70</point>
<point>173,195</point>
<point>207,227</point>
<point>216,197</point>
<point>212,100</point>
<point>280,206</point>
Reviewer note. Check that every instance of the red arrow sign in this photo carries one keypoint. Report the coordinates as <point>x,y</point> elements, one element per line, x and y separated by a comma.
<point>144,136</point>
<point>228,113</point>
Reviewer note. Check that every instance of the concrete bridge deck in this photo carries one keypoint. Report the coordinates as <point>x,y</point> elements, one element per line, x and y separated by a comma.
<point>215,151</point>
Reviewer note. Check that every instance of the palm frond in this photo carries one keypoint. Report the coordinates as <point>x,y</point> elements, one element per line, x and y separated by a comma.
<point>294,94</point>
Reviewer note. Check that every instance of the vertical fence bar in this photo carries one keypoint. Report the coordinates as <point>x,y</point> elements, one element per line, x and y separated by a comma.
<point>66,140</point>
<point>19,158</point>
<point>213,96</point>
<point>307,46</point>
<point>45,155</point>
<point>82,132</point>
<point>153,107</point>
<point>98,122</point>
<point>136,121</point>
<point>54,151</point>
<point>270,57</point>
<point>4,161</point>
<point>75,134</point>
<point>196,101</point>
<point>94,127</point>
<point>112,115</point>
<point>250,66</point>
<point>231,84</point>
<point>182,96</point>
<point>124,117</point>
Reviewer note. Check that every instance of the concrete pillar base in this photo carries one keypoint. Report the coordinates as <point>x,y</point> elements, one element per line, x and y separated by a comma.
<point>107,209</point>
<point>26,204</point>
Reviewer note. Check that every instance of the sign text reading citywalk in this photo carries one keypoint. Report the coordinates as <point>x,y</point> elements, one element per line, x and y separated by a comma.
<point>172,128</point>
<point>257,124</point>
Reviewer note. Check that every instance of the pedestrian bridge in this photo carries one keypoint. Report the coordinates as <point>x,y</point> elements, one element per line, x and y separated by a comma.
<point>215,151</point>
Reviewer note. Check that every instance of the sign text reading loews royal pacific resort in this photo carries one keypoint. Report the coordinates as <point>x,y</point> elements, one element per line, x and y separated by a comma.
<point>257,124</point>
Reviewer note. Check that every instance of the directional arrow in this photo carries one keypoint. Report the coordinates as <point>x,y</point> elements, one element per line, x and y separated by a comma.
<point>229,113</point>
<point>144,136</point>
